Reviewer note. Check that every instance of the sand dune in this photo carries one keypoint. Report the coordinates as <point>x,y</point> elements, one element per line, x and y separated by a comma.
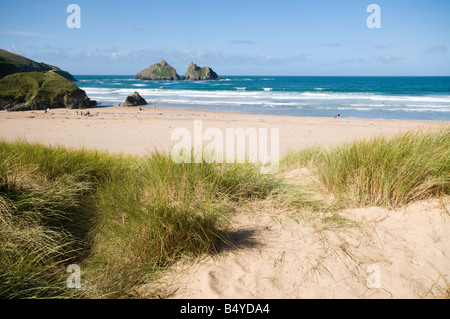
<point>276,253</point>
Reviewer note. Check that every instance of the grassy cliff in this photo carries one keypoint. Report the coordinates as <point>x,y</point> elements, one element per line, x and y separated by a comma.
<point>23,64</point>
<point>35,90</point>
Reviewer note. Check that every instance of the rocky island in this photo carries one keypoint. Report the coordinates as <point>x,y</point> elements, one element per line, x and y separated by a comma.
<point>196,73</point>
<point>162,71</point>
<point>159,71</point>
<point>39,91</point>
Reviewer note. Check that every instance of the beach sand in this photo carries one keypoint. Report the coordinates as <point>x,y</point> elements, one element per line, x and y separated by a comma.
<point>122,129</point>
<point>276,253</point>
<point>286,256</point>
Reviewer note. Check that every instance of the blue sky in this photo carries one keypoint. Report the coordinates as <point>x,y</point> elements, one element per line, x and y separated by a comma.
<point>245,37</point>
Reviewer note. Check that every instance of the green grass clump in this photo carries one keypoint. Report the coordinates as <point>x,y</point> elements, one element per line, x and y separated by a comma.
<point>302,158</point>
<point>383,171</point>
<point>123,219</point>
<point>46,204</point>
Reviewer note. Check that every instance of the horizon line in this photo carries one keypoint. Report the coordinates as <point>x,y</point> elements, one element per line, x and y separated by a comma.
<point>278,75</point>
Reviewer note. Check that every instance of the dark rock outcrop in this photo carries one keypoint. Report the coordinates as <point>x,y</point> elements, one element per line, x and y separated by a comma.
<point>11,63</point>
<point>196,73</point>
<point>135,100</point>
<point>39,91</point>
<point>159,71</point>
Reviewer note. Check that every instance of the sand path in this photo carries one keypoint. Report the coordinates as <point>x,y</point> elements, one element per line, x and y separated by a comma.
<point>280,255</point>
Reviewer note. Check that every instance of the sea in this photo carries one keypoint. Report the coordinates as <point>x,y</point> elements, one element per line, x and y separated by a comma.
<point>405,98</point>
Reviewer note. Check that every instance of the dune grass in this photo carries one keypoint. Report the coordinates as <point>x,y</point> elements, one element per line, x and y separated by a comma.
<point>382,171</point>
<point>122,219</point>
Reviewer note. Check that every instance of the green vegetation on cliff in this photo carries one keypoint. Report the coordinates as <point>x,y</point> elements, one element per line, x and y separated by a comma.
<point>7,68</point>
<point>24,64</point>
<point>35,90</point>
<point>25,86</point>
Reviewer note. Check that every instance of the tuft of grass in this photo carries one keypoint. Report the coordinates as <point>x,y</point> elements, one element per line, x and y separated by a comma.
<point>390,171</point>
<point>303,158</point>
<point>383,171</point>
<point>122,219</point>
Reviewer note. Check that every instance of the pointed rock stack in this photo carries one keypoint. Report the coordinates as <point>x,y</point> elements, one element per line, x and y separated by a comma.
<point>196,73</point>
<point>159,71</point>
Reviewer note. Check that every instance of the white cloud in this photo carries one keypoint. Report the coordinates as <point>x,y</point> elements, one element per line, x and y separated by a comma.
<point>383,46</point>
<point>242,42</point>
<point>332,44</point>
<point>24,33</point>
<point>437,48</point>
<point>12,48</point>
<point>387,60</point>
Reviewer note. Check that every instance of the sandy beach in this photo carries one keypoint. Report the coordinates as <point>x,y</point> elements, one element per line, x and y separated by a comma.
<point>128,130</point>
<point>252,151</point>
<point>276,254</point>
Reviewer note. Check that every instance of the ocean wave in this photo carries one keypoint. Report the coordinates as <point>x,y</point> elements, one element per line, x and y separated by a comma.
<point>252,98</point>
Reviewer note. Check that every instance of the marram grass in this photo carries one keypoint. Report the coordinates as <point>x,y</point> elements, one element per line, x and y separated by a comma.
<point>383,171</point>
<point>122,219</point>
